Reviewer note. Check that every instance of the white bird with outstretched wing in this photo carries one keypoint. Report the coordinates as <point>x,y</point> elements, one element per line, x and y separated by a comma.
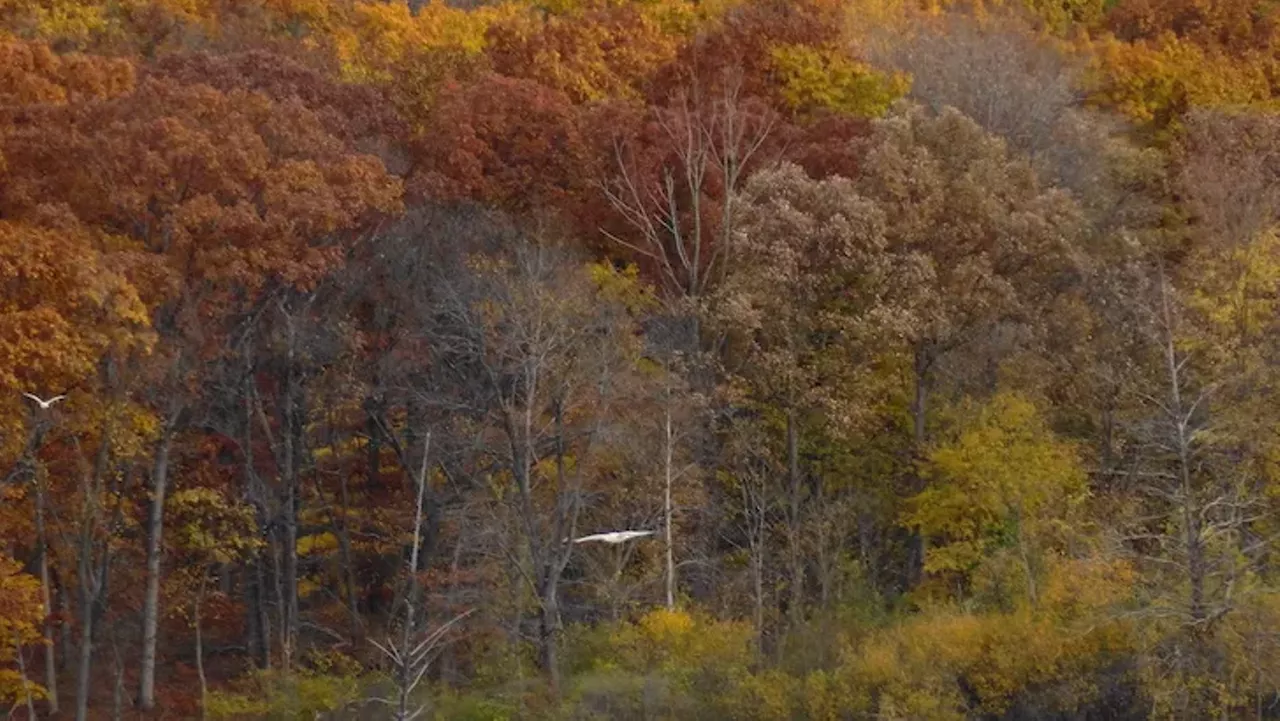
<point>613,537</point>
<point>43,403</point>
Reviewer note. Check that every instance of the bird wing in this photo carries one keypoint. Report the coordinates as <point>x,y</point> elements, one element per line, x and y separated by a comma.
<point>32,397</point>
<point>56,399</point>
<point>592,537</point>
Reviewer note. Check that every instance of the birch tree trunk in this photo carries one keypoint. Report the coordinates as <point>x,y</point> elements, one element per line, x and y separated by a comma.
<point>668,443</point>
<point>151,598</point>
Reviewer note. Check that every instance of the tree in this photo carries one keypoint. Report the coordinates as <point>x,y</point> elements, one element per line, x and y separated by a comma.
<point>997,245</point>
<point>811,299</point>
<point>21,612</point>
<point>546,354</point>
<point>1197,504</point>
<point>513,143</point>
<point>209,530</point>
<point>160,181</point>
<point>605,52</point>
<point>674,188</point>
<point>1002,484</point>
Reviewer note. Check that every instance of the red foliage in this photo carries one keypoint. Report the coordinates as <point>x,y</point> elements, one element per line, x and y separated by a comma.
<point>359,115</point>
<point>510,142</point>
<point>829,145</point>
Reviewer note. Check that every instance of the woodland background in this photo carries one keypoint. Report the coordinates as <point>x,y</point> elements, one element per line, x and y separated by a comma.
<point>937,343</point>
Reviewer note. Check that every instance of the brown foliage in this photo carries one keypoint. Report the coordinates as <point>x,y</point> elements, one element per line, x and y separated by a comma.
<point>1230,175</point>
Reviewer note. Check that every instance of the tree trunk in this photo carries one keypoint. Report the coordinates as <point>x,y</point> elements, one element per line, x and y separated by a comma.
<point>64,627</point>
<point>795,557</point>
<point>117,687</point>
<point>42,551</point>
<point>919,414</point>
<point>277,585</point>
<point>259,625</point>
<point>92,581</point>
<point>259,622</point>
<point>547,640</point>
<point>372,413</point>
<point>757,588</point>
<point>204,681</point>
<point>1191,517</point>
<point>667,512</point>
<point>755,507</point>
<point>85,665</point>
<point>289,546</point>
<point>151,599</point>
<point>348,563</point>
<point>827,556</point>
<point>22,678</point>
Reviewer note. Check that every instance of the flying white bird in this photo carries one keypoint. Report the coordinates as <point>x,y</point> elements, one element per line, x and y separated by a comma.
<point>43,403</point>
<point>615,537</point>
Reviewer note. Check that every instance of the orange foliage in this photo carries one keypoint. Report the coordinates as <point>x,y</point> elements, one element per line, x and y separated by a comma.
<point>1234,26</point>
<point>604,52</point>
<point>230,186</point>
<point>65,304</point>
<point>33,73</point>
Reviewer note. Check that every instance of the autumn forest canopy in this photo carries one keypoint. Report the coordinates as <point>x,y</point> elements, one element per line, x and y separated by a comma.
<point>933,348</point>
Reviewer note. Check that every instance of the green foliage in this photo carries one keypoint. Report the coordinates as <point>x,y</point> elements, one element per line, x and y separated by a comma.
<point>666,664</point>
<point>328,683</point>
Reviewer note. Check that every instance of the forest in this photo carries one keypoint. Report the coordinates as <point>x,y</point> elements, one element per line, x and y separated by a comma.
<point>929,349</point>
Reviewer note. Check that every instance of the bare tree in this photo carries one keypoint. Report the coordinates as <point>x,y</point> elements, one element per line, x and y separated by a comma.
<point>411,656</point>
<point>1193,531</point>
<point>544,355</point>
<point>681,212</point>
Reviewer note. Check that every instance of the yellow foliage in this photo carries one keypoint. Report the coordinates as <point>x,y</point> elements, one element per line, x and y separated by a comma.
<point>317,544</point>
<point>1152,82</point>
<point>1238,293</point>
<point>328,683</point>
<point>380,39</point>
<point>928,667</point>
<point>679,643</point>
<point>210,527</point>
<point>68,21</point>
<point>1002,481</point>
<point>21,612</point>
<point>1077,588</point>
<point>623,286</point>
<point>828,79</point>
